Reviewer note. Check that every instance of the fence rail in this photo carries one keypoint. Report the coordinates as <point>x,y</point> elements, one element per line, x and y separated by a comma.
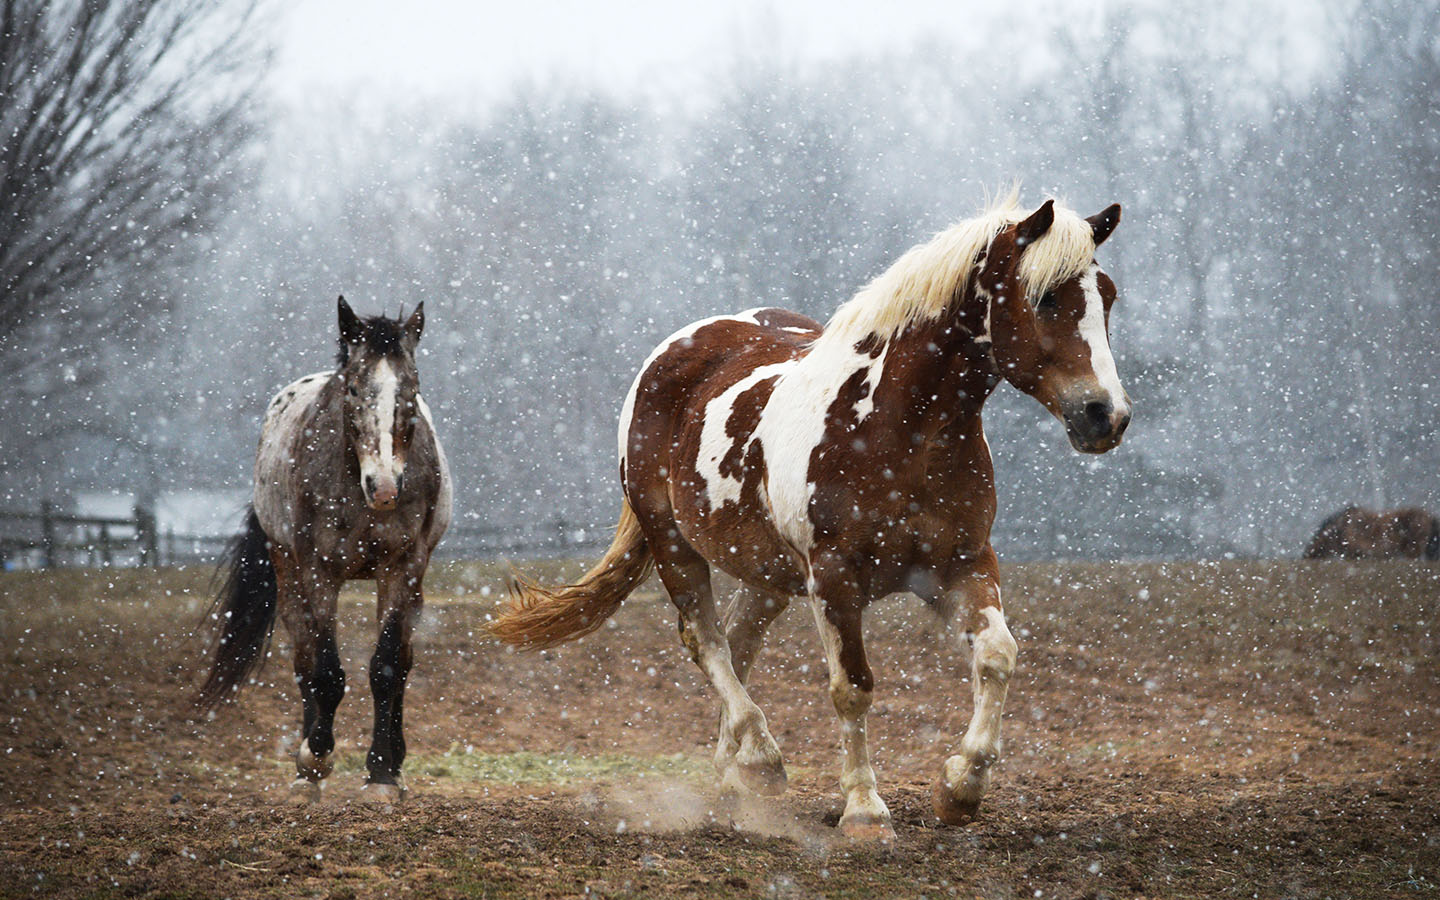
<point>556,537</point>
<point>50,538</point>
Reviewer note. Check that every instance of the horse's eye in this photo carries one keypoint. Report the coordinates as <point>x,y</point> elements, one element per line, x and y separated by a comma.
<point>1047,300</point>
<point>352,391</point>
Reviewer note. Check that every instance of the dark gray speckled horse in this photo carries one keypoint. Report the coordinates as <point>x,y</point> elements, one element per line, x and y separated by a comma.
<point>350,482</point>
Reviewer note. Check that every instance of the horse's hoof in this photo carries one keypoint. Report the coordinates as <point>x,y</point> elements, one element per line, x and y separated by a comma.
<point>730,783</point>
<point>766,779</point>
<point>375,792</point>
<point>867,829</point>
<point>948,809</point>
<point>303,790</point>
<point>312,766</point>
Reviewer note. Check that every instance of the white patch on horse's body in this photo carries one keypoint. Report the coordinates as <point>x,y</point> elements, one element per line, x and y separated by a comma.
<point>866,404</point>
<point>445,503</point>
<point>627,412</point>
<point>1092,330</point>
<point>715,444</point>
<point>984,337</point>
<point>273,462</point>
<point>793,425</point>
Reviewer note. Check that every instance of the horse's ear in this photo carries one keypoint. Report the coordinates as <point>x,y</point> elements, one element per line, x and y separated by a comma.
<point>351,331</point>
<point>414,325</point>
<point>1034,227</point>
<point>1104,222</point>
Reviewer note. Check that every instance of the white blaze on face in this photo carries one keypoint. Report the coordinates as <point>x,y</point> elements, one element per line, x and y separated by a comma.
<point>1092,331</point>
<point>376,452</point>
<point>389,387</point>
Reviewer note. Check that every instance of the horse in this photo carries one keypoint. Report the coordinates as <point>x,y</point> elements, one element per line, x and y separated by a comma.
<point>350,482</point>
<point>844,463</point>
<point>1357,533</point>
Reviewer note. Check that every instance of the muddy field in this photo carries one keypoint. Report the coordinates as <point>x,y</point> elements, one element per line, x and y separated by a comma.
<point>1196,730</point>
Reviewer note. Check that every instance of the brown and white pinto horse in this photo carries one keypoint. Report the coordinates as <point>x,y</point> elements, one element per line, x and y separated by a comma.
<point>846,463</point>
<point>350,482</point>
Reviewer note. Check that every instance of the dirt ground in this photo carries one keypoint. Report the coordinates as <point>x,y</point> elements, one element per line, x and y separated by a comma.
<point>1177,730</point>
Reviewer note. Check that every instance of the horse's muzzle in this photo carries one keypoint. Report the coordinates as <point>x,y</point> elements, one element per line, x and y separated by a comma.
<point>381,493</point>
<point>1096,426</point>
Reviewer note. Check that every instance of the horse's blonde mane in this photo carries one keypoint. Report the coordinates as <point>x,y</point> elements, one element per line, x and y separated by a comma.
<point>921,284</point>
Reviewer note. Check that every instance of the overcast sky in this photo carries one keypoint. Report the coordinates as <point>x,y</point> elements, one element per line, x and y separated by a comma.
<point>453,46</point>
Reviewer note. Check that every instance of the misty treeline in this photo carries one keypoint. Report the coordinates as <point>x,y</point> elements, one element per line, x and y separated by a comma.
<point>1277,325</point>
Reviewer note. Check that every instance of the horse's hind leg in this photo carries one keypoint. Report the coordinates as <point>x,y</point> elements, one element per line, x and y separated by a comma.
<point>974,595</point>
<point>746,621</point>
<point>307,607</point>
<point>400,599</point>
<point>748,754</point>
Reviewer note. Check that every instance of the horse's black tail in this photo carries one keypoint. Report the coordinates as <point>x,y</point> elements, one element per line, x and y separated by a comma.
<point>245,611</point>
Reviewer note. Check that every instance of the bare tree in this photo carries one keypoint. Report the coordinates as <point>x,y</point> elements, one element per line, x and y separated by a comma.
<point>123,130</point>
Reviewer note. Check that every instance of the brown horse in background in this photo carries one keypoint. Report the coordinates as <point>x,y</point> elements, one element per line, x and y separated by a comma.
<point>848,462</point>
<point>1357,533</point>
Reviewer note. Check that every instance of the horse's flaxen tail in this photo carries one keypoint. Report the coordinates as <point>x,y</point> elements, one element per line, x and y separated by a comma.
<point>245,608</point>
<point>538,617</point>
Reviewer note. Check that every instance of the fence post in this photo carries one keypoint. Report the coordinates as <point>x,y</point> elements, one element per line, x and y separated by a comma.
<point>47,533</point>
<point>149,540</point>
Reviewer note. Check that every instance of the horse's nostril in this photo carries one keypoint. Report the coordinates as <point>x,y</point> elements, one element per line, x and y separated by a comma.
<point>370,484</point>
<point>1123,423</point>
<point>1097,413</point>
<point>400,482</point>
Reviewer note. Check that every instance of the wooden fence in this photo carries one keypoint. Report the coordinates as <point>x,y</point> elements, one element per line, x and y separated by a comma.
<point>49,538</point>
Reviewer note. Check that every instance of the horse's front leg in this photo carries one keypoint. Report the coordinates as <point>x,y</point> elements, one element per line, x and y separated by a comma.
<point>838,606</point>
<point>306,598</point>
<point>973,598</point>
<point>400,599</point>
